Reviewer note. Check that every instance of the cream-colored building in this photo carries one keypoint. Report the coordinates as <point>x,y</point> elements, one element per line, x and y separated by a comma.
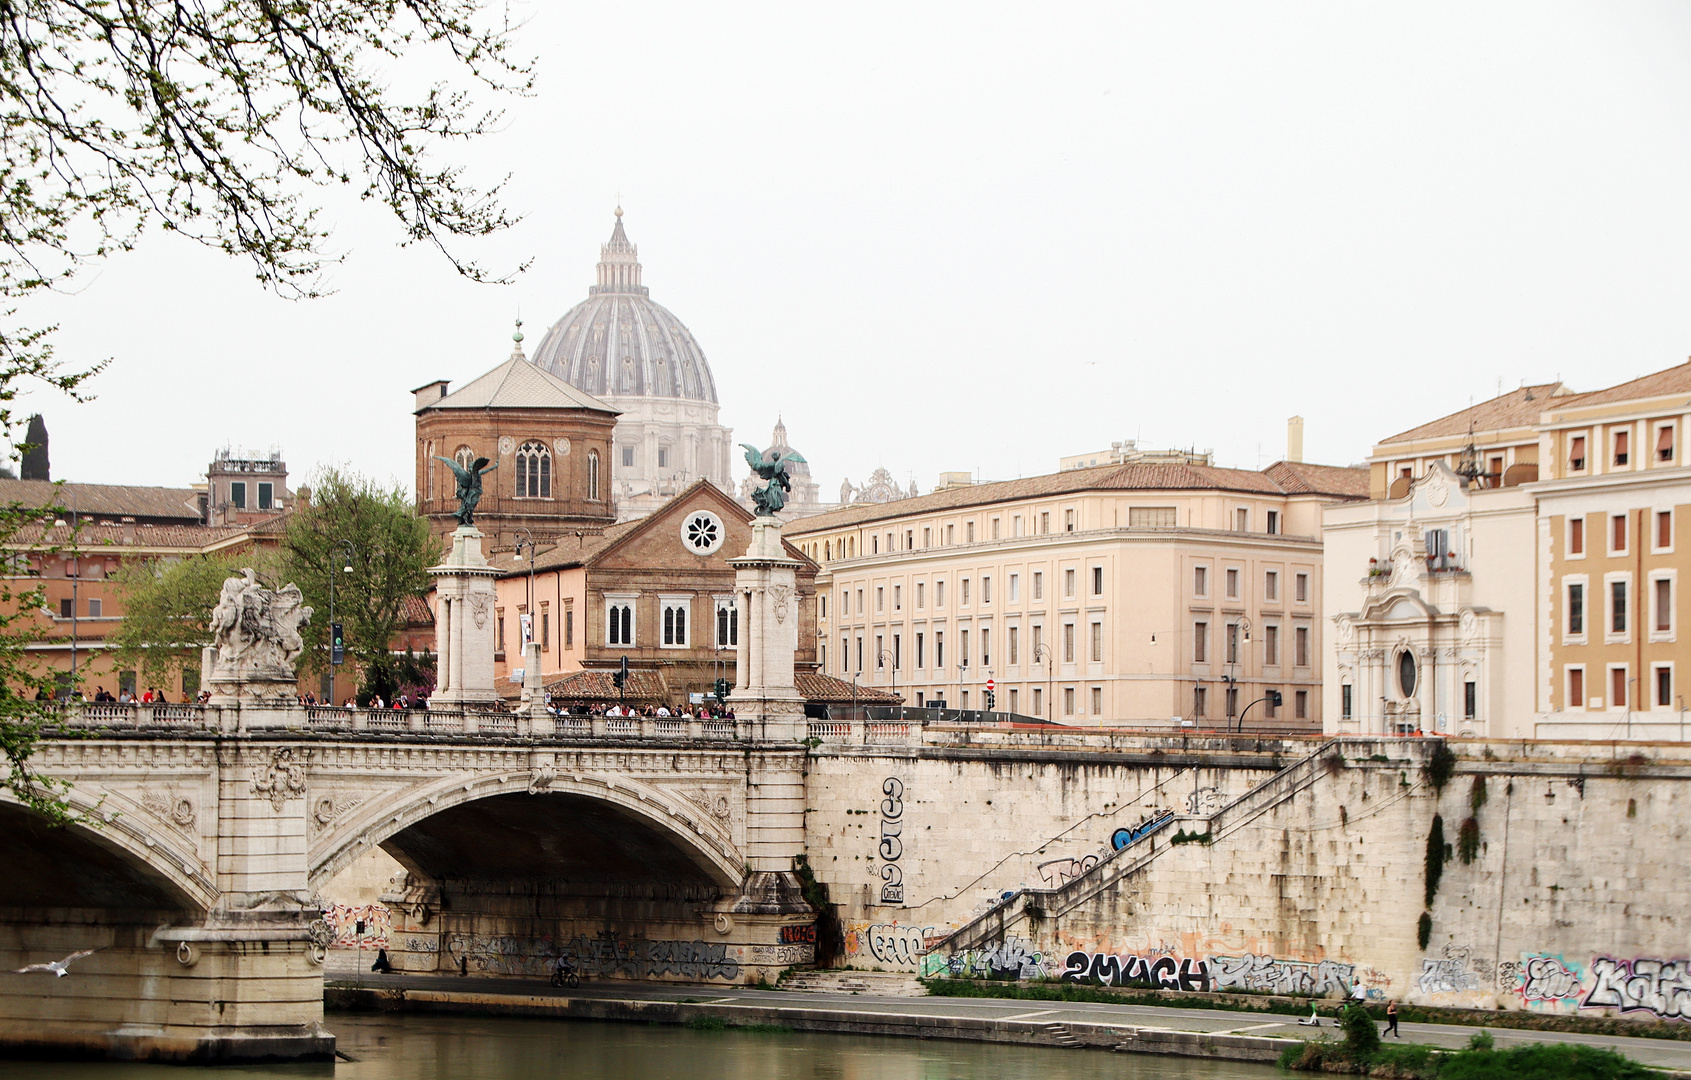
<point>1517,572</point>
<point>1123,594</point>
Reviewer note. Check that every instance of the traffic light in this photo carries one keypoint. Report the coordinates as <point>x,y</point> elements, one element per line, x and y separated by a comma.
<point>991,700</point>
<point>1274,698</point>
<point>621,676</point>
<point>721,691</point>
<point>337,644</point>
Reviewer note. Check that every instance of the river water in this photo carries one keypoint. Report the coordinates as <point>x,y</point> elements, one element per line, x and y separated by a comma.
<point>412,1047</point>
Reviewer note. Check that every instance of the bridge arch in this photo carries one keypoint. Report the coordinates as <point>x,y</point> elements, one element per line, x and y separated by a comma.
<point>657,822</point>
<point>109,860</point>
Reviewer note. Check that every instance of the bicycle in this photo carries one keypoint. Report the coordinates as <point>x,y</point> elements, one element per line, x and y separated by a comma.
<point>564,975</point>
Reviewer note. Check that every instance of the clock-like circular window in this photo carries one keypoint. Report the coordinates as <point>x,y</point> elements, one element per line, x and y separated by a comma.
<point>702,532</point>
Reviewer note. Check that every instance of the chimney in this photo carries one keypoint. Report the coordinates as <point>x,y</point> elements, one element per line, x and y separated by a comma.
<point>429,393</point>
<point>1294,439</point>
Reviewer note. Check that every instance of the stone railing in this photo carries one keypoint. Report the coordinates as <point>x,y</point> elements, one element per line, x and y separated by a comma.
<point>438,722</point>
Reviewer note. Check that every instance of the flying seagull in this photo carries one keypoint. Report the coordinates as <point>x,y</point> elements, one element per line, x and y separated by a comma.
<point>55,967</point>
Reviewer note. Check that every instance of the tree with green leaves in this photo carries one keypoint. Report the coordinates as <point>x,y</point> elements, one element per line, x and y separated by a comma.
<point>218,122</point>
<point>167,609</point>
<point>222,122</point>
<point>27,684</point>
<point>353,521</point>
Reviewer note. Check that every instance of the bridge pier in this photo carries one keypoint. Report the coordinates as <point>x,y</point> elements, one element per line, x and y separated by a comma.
<point>205,942</point>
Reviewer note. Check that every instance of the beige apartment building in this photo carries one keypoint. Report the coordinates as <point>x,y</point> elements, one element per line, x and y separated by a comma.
<point>1131,593</point>
<point>1516,574</point>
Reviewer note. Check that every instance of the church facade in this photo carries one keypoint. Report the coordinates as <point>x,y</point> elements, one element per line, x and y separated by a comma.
<point>640,360</point>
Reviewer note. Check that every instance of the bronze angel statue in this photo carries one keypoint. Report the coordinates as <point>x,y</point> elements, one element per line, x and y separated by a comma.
<point>469,486</point>
<point>772,496</point>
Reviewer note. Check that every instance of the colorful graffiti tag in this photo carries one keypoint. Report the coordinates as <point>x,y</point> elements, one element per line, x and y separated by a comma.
<point>360,926</point>
<point>1659,987</point>
<point>1014,959</point>
<point>1546,979</point>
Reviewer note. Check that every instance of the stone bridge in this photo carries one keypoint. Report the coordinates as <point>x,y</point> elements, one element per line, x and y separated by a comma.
<point>645,848</point>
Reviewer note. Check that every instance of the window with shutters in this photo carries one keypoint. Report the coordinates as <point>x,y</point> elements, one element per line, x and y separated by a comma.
<point>1664,443</point>
<point>1201,643</point>
<point>619,622</point>
<point>1576,687</point>
<point>675,623</point>
<point>1576,453</point>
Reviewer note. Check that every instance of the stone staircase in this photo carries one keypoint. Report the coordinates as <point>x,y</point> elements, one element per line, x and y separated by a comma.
<point>867,983</point>
<point>1062,1036</point>
<point>993,925</point>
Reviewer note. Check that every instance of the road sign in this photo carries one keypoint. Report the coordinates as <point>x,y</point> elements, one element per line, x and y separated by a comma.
<point>990,685</point>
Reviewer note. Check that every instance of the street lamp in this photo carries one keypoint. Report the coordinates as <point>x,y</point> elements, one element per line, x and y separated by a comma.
<point>1231,678</point>
<point>1042,652</point>
<point>1273,697</point>
<point>346,545</point>
<point>528,541</point>
<point>887,659</point>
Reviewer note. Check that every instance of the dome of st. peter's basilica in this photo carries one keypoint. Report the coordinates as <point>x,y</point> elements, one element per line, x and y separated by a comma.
<point>635,355</point>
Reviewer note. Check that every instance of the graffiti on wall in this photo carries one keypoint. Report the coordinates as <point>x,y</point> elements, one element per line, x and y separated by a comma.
<point>1061,871</point>
<point>1144,827</point>
<point>891,847</point>
<point>1157,972</point>
<point>1456,972</point>
<point>889,944</point>
<point>358,926</point>
<point>1659,987</point>
<point>1541,979</point>
<point>799,935</point>
<point>607,955</point>
<point>1263,972</point>
<point>1057,872</point>
<point>1205,800</point>
<point>1014,959</point>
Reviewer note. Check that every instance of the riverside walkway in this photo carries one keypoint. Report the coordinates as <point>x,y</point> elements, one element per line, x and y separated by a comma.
<point>1250,1036</point>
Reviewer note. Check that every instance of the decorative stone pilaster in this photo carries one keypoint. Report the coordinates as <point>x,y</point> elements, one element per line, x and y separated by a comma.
<point>766,592</point>
<point>464,623</point>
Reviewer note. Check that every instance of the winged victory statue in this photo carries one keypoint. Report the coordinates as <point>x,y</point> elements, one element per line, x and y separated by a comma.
<point>469,486</point>
<point>772,496</point>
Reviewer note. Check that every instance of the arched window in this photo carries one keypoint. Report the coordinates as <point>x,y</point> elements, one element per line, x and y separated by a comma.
<point>593,475</point>
<point>534,471</point>
<point>464,456</point>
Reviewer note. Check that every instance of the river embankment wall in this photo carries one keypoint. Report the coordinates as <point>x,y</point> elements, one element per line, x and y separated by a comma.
<point>1558,868</point>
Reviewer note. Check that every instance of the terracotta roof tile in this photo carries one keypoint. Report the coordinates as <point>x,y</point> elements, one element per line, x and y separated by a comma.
<point>1133,476</point>
<point>1302,478</point>
<point>89,537</point>
<point>1517,408</point>
<point>518,384</point>
<point>106,500</point>
<point>594,685</point>
<point>818,687</point>
<point>1672,381</point>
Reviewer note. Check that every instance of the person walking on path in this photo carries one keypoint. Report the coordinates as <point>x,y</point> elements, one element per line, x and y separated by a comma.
<point>1391,1019</point>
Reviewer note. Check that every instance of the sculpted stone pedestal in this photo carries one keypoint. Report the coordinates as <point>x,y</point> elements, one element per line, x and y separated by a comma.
<point>464,624</point>
<point>766,593</point>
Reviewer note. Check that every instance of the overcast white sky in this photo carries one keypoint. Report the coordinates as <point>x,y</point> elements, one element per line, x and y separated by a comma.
<point>981,236</point>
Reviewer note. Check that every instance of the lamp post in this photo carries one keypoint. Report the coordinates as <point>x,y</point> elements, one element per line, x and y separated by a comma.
<point>891,663</point>
<point>346,568</point>
<point>1272,696</point>
<point>1042,653</point>
<point>528,541</point>
<point>1231,678</point>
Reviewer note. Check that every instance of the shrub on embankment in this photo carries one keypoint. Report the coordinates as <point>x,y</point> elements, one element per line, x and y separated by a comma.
<point>1360,1054</point>
<point>1518,1019</point>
